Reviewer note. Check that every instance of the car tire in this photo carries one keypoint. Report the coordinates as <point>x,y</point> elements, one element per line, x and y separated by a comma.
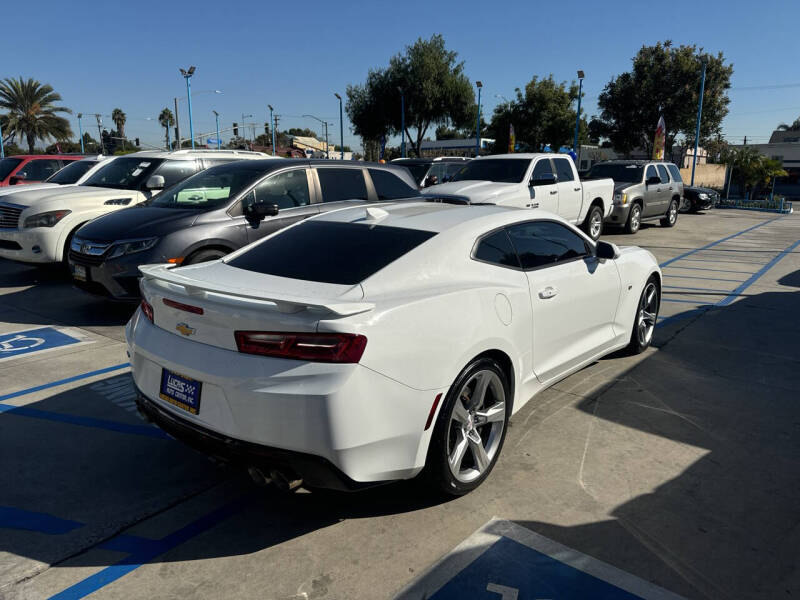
<point>204,256</point>
<point>593,224</point>
<point>671,217</point>
<point>644,321</point>
<point>463,425</point>
<point>634,218</point>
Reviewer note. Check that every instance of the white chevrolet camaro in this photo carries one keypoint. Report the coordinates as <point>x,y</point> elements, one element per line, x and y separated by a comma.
<point>380,343</point>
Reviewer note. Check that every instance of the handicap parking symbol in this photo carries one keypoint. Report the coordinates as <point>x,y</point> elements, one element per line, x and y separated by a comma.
<point>32,341</point>
<point>505,561</point>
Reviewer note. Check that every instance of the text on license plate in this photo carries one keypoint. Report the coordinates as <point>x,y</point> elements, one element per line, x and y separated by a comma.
<point>180,391</point>
<point>79,272</point>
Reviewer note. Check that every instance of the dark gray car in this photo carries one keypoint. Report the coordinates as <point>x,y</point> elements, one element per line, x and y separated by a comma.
<point>218,211</point>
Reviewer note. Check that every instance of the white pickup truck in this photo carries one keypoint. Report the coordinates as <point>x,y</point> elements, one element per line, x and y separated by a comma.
<point>547,181</point>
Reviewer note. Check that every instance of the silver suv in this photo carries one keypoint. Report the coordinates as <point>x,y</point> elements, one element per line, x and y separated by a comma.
<point>643,191</point>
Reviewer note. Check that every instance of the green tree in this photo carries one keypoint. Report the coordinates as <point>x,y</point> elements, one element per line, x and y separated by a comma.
<point>435,89</point>
<point>795,126</point>
<point>302,132</point>
<point>664,81</point>
<point>751,169</point>
<point>119,119</point>
<point>166,119</point>
<point>32,112</point>
<point>541,114</point>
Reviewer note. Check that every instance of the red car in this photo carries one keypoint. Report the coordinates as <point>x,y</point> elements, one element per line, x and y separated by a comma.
<point>32,168</point>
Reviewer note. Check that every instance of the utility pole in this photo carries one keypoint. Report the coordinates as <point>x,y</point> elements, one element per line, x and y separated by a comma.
<point>478,124</point>
<point>327,147</point>
<point>699,116</point>
<point>272,126</point>
<point>80,132</point>
<point>177,127</point>
<point>100,133</point>
<point>578,116</point>
<point>341,126</point>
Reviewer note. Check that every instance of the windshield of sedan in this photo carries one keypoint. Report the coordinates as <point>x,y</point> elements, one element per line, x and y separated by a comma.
<point>501,170</point>
<point>7,165</point>
<point>124,173</point>
<point>209,189</point>
<point>72,172</point>
<point>630,173</point>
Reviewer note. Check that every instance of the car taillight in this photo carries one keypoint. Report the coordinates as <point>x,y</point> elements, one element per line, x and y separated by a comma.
<point>147,309</point>
<point>316,347</point>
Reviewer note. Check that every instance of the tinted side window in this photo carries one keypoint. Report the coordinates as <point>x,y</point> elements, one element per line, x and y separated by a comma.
<point>174,171</point>
<point>542,168</point>
<point>497,249</point>
<point>563,169</point>
<point>389,186</point>
<point>662,172</point>
<point>651,172</point>
<point>675,172</point>
<point>545,243</point>
<point>288,190</point>
<point>342,184</point>
<point>39,170</point>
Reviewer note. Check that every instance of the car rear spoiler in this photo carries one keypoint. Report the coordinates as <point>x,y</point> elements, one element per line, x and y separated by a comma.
<point>283,302</point>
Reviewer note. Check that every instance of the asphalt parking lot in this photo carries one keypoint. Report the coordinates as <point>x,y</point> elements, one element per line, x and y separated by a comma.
<point>679,469</point>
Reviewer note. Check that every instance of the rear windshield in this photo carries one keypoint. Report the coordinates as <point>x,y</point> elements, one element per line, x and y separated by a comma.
<point>418,171</point>
<point>618,172</point>
<point>502,170</point>
<point>328,252</point>
<point>72,172</point>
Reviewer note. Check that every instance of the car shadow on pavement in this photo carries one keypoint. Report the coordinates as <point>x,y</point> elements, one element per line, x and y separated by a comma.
<point>29,294</point>
<point>719,402</point>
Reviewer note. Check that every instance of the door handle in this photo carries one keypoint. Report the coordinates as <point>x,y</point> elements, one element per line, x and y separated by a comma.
<point>548,292</point>
<point>553,192</point>
<point>576,189</point>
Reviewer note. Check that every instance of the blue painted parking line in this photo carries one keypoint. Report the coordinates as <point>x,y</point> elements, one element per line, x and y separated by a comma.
<point>719,241</point>
<point>756,276</point>
<point>17,518</point>
<point>35,341</point>
<point>504,561</point>
<point>45,386</point>
<point>143,550</point>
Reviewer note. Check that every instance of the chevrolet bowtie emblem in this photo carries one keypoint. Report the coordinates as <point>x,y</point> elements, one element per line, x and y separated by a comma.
<point>184,329</point>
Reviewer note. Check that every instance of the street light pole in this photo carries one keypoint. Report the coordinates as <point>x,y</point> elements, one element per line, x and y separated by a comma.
<point>699,116</point>
<point>327,146</point>
<point>187,75</point>
<point>272,127</point>
<point>244,128</point>
<point>478,124</point>
<point>80,132</point>
<point>578,115</point>
<point>341,126</point>
<point>402,122</point>
<point>100,134</point>
<point>216,116</point>
<point>177,127</point>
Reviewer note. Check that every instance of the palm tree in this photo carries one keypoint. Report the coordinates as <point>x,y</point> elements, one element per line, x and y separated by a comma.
<point>119,119</point>
<point>167,120</point>
<point>32,111</point>
<point>793,127</point>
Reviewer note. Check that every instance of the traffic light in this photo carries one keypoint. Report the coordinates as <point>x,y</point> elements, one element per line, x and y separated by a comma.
<point>137,141</point>
<point>266,128</point>
<point>235,130</point>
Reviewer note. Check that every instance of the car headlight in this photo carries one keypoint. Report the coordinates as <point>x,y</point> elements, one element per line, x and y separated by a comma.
<point>45,219</point>
<point>118,201</point>
<point>132,246</point>
<point>620,198</point>
<point>702,196</point>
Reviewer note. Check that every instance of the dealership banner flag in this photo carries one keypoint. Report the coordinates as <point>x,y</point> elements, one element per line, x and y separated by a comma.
<point>660,140</point>
<point>512,139</point>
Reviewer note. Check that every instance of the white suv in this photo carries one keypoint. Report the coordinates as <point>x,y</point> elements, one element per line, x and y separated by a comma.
<point>37,227</point>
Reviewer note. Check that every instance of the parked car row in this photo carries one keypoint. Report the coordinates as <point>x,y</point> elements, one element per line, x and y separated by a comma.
<point>32,168</point>
<point>305,319</point>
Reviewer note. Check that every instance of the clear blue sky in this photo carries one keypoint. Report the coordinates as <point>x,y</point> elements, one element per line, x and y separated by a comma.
<point>294,55</point>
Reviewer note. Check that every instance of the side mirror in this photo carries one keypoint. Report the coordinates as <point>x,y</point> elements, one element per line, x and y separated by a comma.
<point>543,179</point>
<point>257,211</point>
<point>156,182</point>
<point>606,250</point>
<point>21,176</point>
<point>653,180</point>
<point>430,180</point>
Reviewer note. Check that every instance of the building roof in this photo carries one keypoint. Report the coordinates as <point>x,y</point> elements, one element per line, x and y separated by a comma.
<point>782,137</point>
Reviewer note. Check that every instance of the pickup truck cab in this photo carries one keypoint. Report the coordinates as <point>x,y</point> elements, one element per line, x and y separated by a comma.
<point>545,180</point>
<point>643,191</point>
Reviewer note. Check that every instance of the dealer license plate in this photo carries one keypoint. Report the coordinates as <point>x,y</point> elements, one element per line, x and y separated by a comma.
<point>79,272</point>
<point>180,391</point>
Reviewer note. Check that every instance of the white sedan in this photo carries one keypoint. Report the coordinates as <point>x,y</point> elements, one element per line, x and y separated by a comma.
<point>380,343</point>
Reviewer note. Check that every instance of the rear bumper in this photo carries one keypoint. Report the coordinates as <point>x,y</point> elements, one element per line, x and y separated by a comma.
<point>315,471</point>
<point>369,427</point>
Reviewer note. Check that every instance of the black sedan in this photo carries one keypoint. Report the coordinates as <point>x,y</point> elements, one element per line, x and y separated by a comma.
<point>698,198</point>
